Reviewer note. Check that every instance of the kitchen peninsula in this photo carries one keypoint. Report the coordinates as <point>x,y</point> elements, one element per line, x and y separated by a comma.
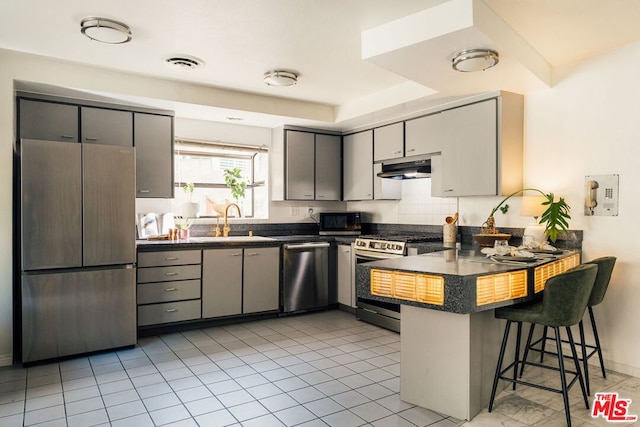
<point>450,338</point>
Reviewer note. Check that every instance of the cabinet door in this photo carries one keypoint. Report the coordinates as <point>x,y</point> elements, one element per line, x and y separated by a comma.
<point>358,166</point>
<point>469,163</point>
<point>221,282</point>
<point>388,142</point>
<point>346,295</point>
<point>328,167</point>
<point>153,139</point>
<point>299,165</point>
<point>261,288</point>
<point>48,120</point>
<point>425,135</point>
<point>102,126</point>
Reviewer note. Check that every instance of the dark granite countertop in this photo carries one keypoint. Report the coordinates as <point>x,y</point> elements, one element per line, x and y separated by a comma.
<point>202,242</point>
<point>460,269</point>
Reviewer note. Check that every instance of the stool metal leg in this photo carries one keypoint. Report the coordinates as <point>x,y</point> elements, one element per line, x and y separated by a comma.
<point>597,339</point>
<point>544,342</point>
<point>585,365</point>
<point>574,354</point>
<point>496,377</point>
<point>526,348</point>
<point>563,378</point>
<point>517,356</point>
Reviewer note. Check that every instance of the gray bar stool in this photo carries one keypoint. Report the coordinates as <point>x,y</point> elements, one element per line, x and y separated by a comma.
<point>554,310</point>
<point>605,269</point>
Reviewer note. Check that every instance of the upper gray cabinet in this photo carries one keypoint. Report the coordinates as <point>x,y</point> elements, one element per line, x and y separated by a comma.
<point>358,166</point>
<point>310,163</point>
<point>388,142</point>
<point>425,135</point>
<point>47,120</point>
<point>328,155</point>
<point>153,140</point>
<point>104,126</point>
<point>482,153</point>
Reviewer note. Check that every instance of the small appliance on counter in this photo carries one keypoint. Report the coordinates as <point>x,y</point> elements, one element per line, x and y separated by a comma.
<point>340,223</point>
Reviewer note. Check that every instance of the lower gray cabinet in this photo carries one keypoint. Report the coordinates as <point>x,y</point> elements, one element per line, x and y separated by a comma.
<point>260,291</point>
<point>240,281</point>
<point>221,282</point>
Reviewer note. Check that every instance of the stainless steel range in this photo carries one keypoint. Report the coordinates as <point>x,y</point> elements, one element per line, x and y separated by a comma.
<point>378,247</point>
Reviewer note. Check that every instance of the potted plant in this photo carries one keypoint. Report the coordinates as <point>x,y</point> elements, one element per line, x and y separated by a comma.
<point>183,224</point>
<point>554,218</point>
<point>235,182</point>
<point>190,209</point>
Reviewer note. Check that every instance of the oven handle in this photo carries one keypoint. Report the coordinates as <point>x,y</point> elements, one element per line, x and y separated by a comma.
<point>374,257</point>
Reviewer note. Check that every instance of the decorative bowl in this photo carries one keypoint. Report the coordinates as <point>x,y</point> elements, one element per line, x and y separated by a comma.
<point>487,240</point>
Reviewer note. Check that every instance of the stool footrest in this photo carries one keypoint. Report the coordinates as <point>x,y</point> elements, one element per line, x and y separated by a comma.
<point>542,387</point>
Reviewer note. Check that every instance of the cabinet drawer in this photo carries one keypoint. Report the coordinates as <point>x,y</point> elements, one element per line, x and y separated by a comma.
<point>168,291</point>
<point>164,258</point>
<point>164,274</point>
<point>169,312</point>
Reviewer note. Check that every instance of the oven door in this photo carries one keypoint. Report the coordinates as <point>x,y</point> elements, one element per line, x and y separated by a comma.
<point>383,314</point>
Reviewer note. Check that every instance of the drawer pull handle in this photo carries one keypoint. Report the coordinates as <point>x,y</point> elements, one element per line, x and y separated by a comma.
<point>236,254</point>
<point>91,139</point>
<point>171,310</point>
<point>171,258</point>
<point>252,253</point>
<point>66,136</point>
<point>171,289</point>
<point>144,191</point>
<point>410,150</point>
<point>171,273</point>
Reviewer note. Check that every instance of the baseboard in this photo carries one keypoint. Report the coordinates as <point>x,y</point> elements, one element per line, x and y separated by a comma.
<point>6,359</point>
<point>622,368</point>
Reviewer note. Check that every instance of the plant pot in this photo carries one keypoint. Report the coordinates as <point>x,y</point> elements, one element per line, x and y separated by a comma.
<point>190,210</point>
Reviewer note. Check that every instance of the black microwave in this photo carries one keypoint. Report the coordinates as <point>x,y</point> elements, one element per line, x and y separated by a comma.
<point>340,223</point>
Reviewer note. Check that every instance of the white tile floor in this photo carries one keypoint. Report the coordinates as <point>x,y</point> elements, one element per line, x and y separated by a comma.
<point>310,370</point>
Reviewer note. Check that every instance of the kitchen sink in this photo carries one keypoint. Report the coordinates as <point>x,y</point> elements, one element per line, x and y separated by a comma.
<point>232,239</point>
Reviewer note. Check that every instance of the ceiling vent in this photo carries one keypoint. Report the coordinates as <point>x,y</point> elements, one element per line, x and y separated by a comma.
<point>184,62</point>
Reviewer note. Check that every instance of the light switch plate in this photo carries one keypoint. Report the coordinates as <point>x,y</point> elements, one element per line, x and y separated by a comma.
<point>601,190</point>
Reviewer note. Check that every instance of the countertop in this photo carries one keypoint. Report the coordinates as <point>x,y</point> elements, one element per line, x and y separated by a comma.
<point>205,242</point>
<point>460,270</point>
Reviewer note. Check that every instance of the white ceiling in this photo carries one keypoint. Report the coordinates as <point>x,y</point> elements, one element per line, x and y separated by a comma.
<point>239,40</point>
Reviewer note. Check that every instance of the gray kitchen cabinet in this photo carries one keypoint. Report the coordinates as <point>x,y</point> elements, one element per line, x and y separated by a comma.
<point>483,151</point>
<point>312,166</point>
<point>388,142</point>
<point>105,126</point>
<point>346,275</point>
<point>425,135</point>
<point>168,286</point>
<point>153,140</point>
<point>221,282</point>
<point>261,285</point>
<point>47,120</point>
<point>328,166</point>
<point>358,166</point>
<point>300,165</point>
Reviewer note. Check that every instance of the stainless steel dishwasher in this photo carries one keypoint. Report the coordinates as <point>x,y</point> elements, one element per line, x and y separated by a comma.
<point>305,276</point>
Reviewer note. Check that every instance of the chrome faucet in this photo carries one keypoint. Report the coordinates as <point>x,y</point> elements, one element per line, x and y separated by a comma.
<point>226,228</point>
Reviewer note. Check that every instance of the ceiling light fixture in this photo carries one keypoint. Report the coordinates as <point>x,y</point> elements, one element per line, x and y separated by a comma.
<point>471,60</point>
<point>184,62</point>
<point>280,78</point>
<point>105,30</point>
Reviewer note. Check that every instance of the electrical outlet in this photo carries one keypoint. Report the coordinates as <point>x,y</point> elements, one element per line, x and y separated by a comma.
<point>294,211</point>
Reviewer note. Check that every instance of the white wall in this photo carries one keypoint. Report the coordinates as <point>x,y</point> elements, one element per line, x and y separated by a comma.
<point>587,124</point>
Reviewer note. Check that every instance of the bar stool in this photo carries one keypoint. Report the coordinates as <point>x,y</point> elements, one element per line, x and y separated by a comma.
<point>605,268</point>
<point>573,286</point>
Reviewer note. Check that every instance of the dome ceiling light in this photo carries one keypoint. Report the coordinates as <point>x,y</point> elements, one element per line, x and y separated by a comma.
<point>471,60</point>
<point>105,30</point>
<point>280,78</point>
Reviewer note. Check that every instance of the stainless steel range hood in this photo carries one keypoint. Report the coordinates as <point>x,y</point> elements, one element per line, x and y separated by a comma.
<point>406,168</point>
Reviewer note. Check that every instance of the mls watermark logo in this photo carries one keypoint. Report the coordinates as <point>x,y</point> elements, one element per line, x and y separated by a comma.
<point>612,408</point>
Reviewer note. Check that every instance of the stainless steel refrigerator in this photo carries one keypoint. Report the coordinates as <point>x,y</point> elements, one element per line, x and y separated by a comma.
<point>77,245</point>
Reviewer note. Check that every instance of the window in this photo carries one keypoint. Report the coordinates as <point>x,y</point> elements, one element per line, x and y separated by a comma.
<point>204,164</point>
